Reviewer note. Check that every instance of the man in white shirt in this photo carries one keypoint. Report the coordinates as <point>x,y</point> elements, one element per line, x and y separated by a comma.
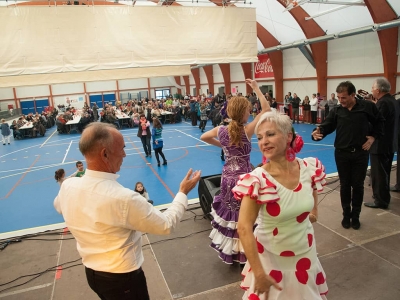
<point>107,220</point>
<point>314,108</point>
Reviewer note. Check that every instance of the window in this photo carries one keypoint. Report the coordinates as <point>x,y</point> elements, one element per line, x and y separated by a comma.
<point>162,93</point>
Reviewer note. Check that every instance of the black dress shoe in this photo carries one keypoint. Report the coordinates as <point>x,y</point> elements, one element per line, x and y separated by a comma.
<point>355,223</point>
<point>393,189</point>
<point>374,205</point>
<point>346,222</point>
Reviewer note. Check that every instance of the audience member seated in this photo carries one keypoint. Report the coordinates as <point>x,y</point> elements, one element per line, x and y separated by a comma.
<point>16,133</point>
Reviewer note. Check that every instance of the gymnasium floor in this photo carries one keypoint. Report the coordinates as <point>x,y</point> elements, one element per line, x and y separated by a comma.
<point>362,264</point>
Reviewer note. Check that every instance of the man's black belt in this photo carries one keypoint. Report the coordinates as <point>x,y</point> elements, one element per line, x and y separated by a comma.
<point>349,149</point>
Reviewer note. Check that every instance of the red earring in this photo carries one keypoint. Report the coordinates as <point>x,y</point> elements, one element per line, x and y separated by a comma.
<point>290,154</point>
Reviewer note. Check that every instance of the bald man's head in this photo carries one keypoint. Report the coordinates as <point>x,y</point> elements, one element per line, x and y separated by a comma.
<point>96,136</point>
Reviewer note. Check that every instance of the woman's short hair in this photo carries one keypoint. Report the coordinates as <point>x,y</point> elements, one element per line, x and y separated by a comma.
<point>282,121</point>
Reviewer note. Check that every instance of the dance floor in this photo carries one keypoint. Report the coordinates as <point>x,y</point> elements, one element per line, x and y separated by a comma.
<point>363,264</point>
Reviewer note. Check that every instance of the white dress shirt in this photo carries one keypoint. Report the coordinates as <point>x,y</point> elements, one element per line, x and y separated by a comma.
<point>107,220</point>
<point>314,104</point>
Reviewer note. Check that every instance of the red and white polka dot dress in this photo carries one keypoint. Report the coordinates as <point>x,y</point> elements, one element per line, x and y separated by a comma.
<point>284,235</point>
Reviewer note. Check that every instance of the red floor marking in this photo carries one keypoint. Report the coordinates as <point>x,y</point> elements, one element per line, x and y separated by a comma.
<point>58,272</point>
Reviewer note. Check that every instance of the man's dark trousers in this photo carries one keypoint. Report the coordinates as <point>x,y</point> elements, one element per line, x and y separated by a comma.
<point>352,169</point>
<point>118,286</point>
<point>381,165</point>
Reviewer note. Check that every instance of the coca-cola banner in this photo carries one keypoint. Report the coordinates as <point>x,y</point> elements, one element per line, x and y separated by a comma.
<point>263,68</point>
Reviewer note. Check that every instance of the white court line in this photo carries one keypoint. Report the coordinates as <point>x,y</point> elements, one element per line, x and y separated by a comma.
<point>19,150</point>
<point>66,152</point>
<point>48,138</point>
<point>26,290</point>
<point>36,168</point>
<point>190,136</point>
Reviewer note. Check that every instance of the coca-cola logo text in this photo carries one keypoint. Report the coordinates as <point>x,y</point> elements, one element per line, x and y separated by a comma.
<point>264,67</point>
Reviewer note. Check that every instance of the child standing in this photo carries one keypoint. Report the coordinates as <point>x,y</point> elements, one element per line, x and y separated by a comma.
<point>139,188</point>
<point>203,116</point>
<point>5,131</point>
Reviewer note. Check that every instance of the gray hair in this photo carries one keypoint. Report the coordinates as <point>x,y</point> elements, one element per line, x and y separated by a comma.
<point>95,135</point>
<point>382,84</point>
<point>282,122</point>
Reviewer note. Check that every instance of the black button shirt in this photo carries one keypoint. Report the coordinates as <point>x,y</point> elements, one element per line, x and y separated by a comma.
<point>352,126</point>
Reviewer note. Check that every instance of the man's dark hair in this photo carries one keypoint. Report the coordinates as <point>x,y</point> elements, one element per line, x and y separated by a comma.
<point>346,86</point>
<point>78,163</point>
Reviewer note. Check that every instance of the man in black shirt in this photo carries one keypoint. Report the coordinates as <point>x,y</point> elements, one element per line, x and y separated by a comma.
<point>295,108</point>
<point>382,150</point>
<point>357,123</point>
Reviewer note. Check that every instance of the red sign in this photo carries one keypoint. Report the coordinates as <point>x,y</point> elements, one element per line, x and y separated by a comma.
<point>263,68</point>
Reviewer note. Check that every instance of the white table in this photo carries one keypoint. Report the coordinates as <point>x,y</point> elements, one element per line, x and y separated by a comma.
<point>165,116</point>
<point>26,129</point>
<point>73,124</point>
<point>123,119</point>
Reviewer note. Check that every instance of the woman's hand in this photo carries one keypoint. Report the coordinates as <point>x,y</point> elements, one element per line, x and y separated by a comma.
<point>263,283</point>
<point>313,216</point>
<point>252,83</point>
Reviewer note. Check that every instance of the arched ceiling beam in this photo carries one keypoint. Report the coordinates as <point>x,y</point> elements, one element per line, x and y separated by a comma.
<point>381,11</point>
<point>226,74</point>
<point>196,77</point>
<point>178,82</point>
<point>268,40</point>
<point>319,51</point>
<point>210,77</point>
<point>187,84</point>
<point>247,67</point>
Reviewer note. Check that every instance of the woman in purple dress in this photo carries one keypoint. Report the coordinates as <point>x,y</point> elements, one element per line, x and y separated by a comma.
<point>235,141</point>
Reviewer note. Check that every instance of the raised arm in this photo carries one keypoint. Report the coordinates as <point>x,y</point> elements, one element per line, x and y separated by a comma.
<point>264,107</point>
<point>263,101</point>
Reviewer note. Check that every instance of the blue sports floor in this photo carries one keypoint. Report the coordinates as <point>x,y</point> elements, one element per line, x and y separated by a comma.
<point>27,170</point>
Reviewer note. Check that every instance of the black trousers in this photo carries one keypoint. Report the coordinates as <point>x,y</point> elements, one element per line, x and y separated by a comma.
<point>203,124</point>
<point>295,112</point>
<point>381,165</point>
<point>118,286</point>
<point>352,169</point>
<point>146,144</point>
<point>193,117</point>
<point>397,185</point>
<point>313,117</point>
<point>158,151</point>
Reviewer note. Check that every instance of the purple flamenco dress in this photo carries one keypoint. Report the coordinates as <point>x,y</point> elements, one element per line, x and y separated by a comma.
<point>225,208</point>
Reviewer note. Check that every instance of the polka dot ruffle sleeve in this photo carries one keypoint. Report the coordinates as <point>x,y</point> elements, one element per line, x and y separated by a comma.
<point>257,186</point>
<point>317,170</point>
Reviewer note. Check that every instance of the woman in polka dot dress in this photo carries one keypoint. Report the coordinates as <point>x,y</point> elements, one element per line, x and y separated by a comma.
<point>281,197</point>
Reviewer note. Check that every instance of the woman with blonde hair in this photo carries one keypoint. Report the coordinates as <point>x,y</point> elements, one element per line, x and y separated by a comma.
<point>235,140</point>
<point>282,195</point>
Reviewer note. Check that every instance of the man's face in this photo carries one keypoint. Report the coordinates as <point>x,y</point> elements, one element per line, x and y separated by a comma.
<point>80,167</point>
<point>116,153</point>
<point>375,91</point>
<point>294,95</point>
<point>346,100</point>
